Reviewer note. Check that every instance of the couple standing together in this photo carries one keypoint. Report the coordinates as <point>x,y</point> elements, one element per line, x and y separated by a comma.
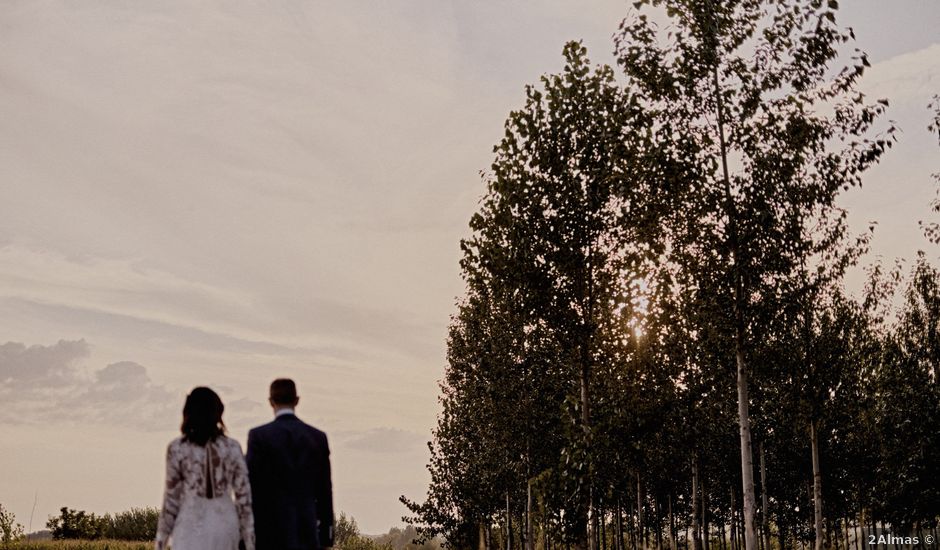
<point>277,497</point>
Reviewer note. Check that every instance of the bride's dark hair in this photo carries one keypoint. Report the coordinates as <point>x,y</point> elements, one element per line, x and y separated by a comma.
<point>202,416</point>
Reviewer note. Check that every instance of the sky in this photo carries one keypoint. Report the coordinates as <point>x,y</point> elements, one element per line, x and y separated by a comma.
<point>228,191</point>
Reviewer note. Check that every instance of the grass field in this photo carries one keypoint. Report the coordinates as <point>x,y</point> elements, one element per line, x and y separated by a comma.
<point>78,545</point>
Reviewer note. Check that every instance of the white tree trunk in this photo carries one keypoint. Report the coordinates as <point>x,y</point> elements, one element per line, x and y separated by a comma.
<point>747,465</point>
<point>639,512</point>
<point>508,524</point>
<point>765,500</point>
<point>529,539</point>
<point>696,536</point>
<point>817,486</point>
<point>672,527</point>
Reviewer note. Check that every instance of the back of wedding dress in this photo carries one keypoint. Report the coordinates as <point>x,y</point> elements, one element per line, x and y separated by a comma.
<point>207,498</point>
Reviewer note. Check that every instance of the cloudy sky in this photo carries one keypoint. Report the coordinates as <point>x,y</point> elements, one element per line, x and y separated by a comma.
<point>223,192</point>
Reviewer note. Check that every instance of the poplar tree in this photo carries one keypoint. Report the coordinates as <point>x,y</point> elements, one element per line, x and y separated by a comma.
<point>565,229</point>
<point>749,94</point>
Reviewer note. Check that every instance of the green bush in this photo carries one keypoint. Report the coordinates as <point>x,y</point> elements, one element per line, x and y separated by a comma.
<point>134,524</point>
<point>77,524</point>
<point>404,539</point>
<point>348,537</point>
<point>80,545</point>
<point>10,530</point>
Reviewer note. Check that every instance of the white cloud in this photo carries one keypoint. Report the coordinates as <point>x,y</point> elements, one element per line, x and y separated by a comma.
<point>909,79</point>
<point>385,440</point>
<point>127,288</point>
<point>40,366</point>
<point>46,384</point>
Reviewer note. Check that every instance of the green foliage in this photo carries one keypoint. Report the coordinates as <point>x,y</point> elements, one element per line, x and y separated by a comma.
<point>550,272</point>
<point>133,524</point>
<point>907,383</point>
<point>77,524</point>
<point>137,524</point>
<point>932,229</point>
<point>404,539</point>
<point>10,530</point>
<point>81,545</point>
<point>649,244</point>
<point>348,537</point>
<point>345,529</point>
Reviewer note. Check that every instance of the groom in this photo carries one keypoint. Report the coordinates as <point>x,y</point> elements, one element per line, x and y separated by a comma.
<point>289,469</point>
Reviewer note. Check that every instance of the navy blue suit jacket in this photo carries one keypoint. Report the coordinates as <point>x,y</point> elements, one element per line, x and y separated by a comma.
<point>291,490</point>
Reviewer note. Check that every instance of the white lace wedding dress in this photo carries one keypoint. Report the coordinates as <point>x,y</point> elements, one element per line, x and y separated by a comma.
<point>207,500</point>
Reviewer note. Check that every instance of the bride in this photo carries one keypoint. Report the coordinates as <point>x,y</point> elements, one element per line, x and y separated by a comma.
<point>204,469</point>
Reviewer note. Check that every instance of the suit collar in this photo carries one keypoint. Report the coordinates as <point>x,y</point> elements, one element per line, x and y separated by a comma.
<point>283,412</point>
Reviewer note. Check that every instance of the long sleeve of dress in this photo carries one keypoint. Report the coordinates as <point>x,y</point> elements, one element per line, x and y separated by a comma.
<point>172,495</point>
<point>242,489</point>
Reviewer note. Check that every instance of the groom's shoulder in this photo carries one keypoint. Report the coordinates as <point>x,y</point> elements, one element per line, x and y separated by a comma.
<point>312,429</point>
<point>263,428</point>
<point>276,426</point>
<point>299,426</point>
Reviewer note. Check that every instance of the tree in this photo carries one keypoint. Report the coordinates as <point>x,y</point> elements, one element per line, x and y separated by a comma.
<point>10,530</point>
<point>909,405</point>
<point>404,539</point>
<point>134,524</point>
<point>77,524</point>
<point>346,528</point>
<point>740,90</point>
<point>932,229</point>
<point>348,537</point>
<point>560,239</point>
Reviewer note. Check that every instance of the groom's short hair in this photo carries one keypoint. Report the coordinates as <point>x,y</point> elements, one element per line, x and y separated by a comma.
<point>283,391</point>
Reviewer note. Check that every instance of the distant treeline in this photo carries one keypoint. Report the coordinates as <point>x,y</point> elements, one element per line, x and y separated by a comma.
<point>136,524</point>
<point>348,537</point>
<point>140,525</point>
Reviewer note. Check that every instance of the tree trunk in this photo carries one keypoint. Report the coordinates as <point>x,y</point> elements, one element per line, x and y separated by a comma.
<point>631,528</point>
<point>620,545</point>
<point>529,539</point>
<point>639,512</point>
<point>747,468</point>
<point>657,525</point>
<point>765,499</point>
<point>817,487</point>
<point>859,531</point>
<point>734,523</point>
<point>672,527</point>
<point>508,524</point>
<point>696,539</point>
<point>705,533</point>
<point>744,419</point>
<point>845,530</point>
<point>586,426</point>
